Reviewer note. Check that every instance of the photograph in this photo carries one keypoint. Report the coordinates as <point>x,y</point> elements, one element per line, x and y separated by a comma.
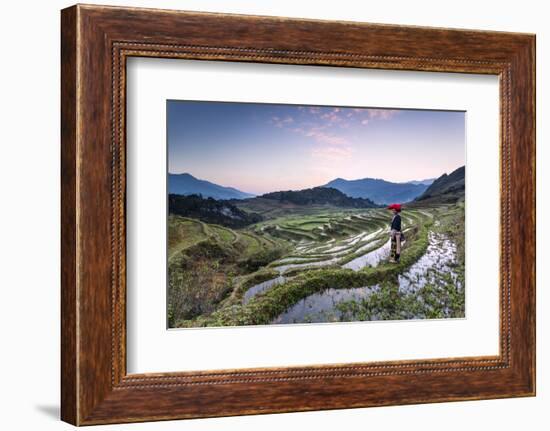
<point>295,214</point>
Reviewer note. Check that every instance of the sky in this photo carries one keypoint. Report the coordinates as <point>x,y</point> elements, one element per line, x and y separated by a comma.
<point>260,148</point>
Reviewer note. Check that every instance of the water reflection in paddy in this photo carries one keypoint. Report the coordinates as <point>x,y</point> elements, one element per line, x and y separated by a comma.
<point>372,258</point>
<point>261,287</point>
<point>320,307</point>
<point>283,268</point>
<point>439,260</point>
<point>435,264</point>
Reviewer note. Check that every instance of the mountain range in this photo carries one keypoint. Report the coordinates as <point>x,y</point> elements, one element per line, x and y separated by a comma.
<point>447,188</point>
<point>187,184</point>
<point>380,191</point>
<point>426,182</point>
<point>370,191</point>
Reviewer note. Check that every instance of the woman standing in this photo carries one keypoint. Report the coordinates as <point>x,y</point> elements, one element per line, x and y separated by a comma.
<point>395,233</point>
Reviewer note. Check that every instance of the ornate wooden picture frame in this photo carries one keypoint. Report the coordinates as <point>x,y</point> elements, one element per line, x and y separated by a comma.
<point>96,41</point>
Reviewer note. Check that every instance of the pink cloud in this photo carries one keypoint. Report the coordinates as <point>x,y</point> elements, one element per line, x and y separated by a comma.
<point>281,122</point>
<point>377,114</point>
<point>382,114</point>
<point>342,116</point>
<point>332,153</point>
<point>332,116</point>
<point>322,120</point>
<point>325,138</point>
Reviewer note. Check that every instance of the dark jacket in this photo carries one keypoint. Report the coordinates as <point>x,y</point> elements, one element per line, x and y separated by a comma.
<point>396,223</point>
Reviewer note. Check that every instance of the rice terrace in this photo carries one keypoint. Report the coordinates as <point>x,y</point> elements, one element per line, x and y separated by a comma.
<point>315,254</point>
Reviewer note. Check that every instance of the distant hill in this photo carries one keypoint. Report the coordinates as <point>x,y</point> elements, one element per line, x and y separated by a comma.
<point>210,210</point>
<point>319,196</point>
<point>377,190</point>
<point>425,182</point>
<point>187,184</point>
<point>447,188</point>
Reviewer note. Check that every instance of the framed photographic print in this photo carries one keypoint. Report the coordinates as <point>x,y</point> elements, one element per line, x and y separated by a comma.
<point>266,215</point>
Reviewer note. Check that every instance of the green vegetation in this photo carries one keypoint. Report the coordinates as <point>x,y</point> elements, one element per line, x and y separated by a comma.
<point>264,308</point>
<point>390,303</point>
<point>208,262</point>
<point>183,233</point>
<point>211,267</point>
<point>320,196</point>
<point>210,210</point>
<point>451,222</point>
<point>442,296</point>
